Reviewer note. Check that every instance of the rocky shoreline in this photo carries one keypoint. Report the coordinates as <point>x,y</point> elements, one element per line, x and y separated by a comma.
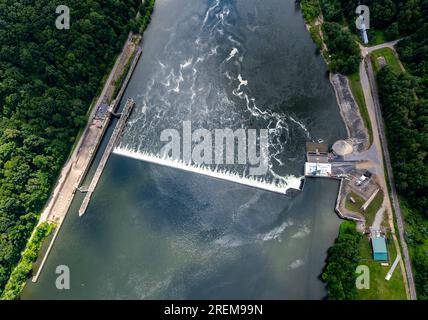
<point>357,132</point>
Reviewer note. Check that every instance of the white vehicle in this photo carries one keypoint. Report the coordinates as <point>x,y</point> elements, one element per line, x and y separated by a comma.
<point>361,180</point>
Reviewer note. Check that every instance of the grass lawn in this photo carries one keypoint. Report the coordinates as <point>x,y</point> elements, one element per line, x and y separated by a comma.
<point>359,201</point>
<point>370,213</point>
<point>390,57</point>
<point>357,92</point>
<point>374,208</point>
<point>376,37</point>
<point>380,289</point>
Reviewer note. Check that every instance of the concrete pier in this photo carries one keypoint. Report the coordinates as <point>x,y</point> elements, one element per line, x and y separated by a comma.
<point>111,144</point>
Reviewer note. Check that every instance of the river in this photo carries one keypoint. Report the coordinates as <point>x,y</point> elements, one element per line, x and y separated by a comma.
<point>154,232</point>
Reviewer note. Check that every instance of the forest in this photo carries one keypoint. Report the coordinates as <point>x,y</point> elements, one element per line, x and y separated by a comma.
<point>342,261</point>
<point>406,118</point>
<point>48,78</point>
<point>19,274</point>
<point>344,52</point>
<point>394,18</point>
<point>405,110</point>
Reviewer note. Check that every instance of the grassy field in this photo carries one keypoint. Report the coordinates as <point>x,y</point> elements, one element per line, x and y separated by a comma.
<point>390,58</point>
<point>357,92</point>
<point>359,201</point>
<point>373,208</point>
<point>376,37</point>
<point>380,289</point>
<point>370,213</point>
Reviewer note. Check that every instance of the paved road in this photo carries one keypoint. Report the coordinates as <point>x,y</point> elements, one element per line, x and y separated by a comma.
<point>377,222</point>
<point>390,44</point>
<point>380,143</point>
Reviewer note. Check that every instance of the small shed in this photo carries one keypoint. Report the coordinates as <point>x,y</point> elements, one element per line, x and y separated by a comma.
<point>380,252</point>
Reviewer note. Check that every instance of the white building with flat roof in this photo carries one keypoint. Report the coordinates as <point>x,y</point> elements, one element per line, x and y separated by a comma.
<point>317,169</point>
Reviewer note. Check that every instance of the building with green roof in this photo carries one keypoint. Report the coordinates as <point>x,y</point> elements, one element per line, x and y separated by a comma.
<point>380,251</point>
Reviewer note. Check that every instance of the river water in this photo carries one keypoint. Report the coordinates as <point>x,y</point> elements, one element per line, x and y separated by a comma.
<point>154,232</point>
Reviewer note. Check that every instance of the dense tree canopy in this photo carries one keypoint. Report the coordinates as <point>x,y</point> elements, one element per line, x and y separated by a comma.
<point>48,78</point>
<point>404,99</point>
<point>342,261</point>
<point>413,51</point>
<point>406,15</point>
<point>343,49</point>
<point>406,118</point>
<point>407,129</point>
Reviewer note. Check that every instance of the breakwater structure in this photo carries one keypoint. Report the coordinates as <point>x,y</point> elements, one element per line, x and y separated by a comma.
<point>111,144</point>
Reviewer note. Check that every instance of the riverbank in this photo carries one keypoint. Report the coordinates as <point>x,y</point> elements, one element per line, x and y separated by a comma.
<point>363,149</point>
<point>357,132</point>
<point>352,107</point>
<point>83,153</point>
<point>58,82</point>
<point>73,172</point>
<point>78,165</point>
<point>19,275</point>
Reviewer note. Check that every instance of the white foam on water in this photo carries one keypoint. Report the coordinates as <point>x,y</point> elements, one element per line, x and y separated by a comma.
<point>229,241</point>
<point>303,232</point>
<point>207,14</point>
<point>301,125</point>
<point>213,51</point>
<point>296,264</point>
<point>242,82</point>
<point>231,39</point>
<point>275,233</point>
<point>289,182</point>
<point>186,63</point>
<point>232,53</point>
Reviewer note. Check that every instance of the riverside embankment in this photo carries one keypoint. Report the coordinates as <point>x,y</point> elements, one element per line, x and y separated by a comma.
<point>76,168</point>
<point>376,154</point>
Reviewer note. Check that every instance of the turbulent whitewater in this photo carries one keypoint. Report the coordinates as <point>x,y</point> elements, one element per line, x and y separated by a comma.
<point>203,79</point>
<point>281,187</point>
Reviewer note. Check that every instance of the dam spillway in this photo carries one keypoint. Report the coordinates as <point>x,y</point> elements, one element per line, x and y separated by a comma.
<point>290,182</point>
